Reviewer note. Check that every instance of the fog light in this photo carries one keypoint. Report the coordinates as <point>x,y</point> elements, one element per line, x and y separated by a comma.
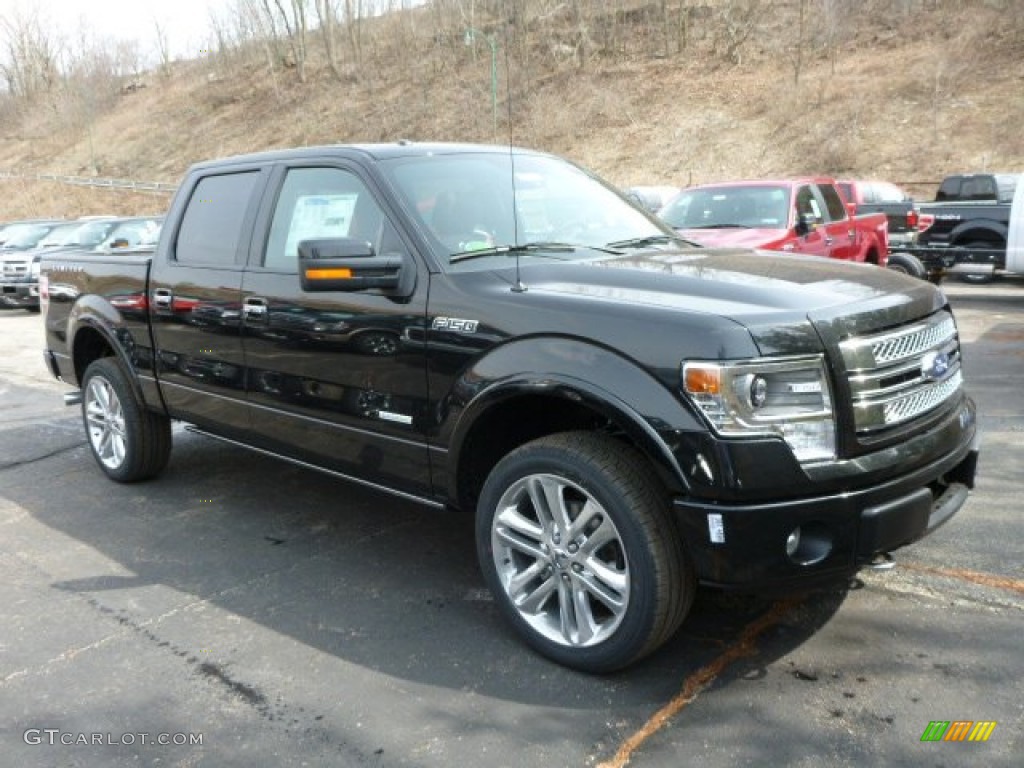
<point>759,394</point>
<point>809,543</point>
<point>793,541</point>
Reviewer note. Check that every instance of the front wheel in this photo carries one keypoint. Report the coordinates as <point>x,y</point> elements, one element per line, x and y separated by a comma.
<point>576,543</point>
<point>128,441</point>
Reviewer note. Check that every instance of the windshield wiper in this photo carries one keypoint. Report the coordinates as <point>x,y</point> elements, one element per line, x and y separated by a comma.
<point>512,250</point>
<point>641,242</point>
<point>722,226</point>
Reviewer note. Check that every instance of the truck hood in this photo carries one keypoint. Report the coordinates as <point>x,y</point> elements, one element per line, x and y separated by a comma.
<point>789,304</point>
<point>734,237</point>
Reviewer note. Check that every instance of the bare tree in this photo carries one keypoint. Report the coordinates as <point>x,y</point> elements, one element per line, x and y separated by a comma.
<point>30,53</point>
<point>326,15</point>
<point>293,16</point>
<point>738,20</point>
<point>163,46</point>
<point>798,52</point>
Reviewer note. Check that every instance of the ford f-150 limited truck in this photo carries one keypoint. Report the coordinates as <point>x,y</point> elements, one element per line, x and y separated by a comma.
<point>496,330</point>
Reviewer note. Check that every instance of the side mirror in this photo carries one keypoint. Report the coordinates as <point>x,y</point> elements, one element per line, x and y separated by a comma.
<point>347,264</point>
<point>804,223</point>
<point>851,209</point>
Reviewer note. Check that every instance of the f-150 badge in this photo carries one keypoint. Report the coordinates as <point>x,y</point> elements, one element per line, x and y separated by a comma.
<point>456,324</point>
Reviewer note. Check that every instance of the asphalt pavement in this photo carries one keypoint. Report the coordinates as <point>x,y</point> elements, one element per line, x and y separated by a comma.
<point>238,611</point>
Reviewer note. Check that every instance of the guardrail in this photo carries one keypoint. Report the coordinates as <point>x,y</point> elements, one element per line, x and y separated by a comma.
<point>152,187</point>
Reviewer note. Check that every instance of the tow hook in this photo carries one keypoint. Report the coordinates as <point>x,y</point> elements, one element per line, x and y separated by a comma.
<point>883,561</point>
<point>73,398</point>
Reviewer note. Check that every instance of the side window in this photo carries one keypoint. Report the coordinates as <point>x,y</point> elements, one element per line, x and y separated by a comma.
<point>211,229</point>
<point>949,190</point>
<point>807,205</point>
<point>321,202</point>
<point>834,203</point>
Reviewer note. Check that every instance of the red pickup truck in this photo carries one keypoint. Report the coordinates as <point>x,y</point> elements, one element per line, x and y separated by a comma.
<point>802,215</point>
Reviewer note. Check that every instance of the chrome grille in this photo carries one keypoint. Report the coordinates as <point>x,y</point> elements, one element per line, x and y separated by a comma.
<point>911,342</point>
<point>15,268</point>
<point>899,375</point>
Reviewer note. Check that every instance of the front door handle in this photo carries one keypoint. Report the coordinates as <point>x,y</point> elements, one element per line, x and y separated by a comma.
<point>255,308</point>
<point>163,298</point>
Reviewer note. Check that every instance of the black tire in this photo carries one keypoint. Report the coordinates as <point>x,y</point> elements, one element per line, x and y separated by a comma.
<point>607,584</point>
<point>983,278</point>
<point>907,264</point>
<point>128,441</point>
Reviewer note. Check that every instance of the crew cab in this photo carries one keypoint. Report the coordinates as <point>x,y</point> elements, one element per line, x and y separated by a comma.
<point>804,215</point>
<point>496,330</point>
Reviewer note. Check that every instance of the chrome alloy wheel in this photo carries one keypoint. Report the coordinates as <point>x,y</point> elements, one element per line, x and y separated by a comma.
<point>104,418</point>
<point>561,561</point>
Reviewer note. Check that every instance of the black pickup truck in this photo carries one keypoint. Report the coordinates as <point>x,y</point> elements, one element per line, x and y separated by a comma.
<point>964,231</point>
<point>498,331</point>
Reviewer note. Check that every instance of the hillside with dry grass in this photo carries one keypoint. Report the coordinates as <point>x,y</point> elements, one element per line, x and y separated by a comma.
<point>642,92</point>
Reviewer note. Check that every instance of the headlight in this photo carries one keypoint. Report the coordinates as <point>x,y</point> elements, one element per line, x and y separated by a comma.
<point>786,397</point>
<point>34,268</point>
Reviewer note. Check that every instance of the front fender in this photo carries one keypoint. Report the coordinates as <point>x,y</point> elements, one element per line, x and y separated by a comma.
<point>576,371</point>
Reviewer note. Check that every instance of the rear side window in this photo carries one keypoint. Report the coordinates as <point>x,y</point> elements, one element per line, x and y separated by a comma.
<point>834,203</point>
<point>212,227</point>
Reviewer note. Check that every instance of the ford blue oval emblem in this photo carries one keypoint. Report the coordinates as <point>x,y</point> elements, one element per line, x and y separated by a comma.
<point>934,365</point>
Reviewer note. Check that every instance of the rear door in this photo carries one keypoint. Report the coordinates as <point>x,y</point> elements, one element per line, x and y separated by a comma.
<point>840,230</point>
<point>335,378</point>
<point>195,300</point>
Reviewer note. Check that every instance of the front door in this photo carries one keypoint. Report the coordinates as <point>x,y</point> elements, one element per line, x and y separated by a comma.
<point>813,240</point>
<point>335,378</point>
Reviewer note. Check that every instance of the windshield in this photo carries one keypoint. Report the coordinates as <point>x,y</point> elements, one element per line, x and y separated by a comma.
<point>28,237</point>
<point>465,202</point>
<point>77,234</point>
<point>759,207</point>
<point>137,233</point>
<point>59,236</point>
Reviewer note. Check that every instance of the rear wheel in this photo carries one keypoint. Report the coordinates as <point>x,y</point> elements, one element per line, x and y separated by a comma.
<point>907,264</point>
<point>984,277</point>
<point>128,441</point>
<point>576,543</point>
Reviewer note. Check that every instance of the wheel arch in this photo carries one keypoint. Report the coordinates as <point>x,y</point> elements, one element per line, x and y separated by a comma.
<point>974,231</point>
<point>513,409</point>
<point>96,332</point>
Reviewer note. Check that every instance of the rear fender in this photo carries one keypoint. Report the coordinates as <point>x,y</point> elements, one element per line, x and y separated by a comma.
<point>973,231</point>
<point>91,316</point>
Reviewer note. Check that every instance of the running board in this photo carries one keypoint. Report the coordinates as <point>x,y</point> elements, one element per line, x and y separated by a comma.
<point>324,470</point>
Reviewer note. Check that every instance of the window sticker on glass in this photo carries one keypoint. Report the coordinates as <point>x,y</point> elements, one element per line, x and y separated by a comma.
<point>319,216</point>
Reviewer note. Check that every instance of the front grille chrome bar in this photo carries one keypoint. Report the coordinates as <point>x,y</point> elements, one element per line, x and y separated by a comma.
<point>896,376</point>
